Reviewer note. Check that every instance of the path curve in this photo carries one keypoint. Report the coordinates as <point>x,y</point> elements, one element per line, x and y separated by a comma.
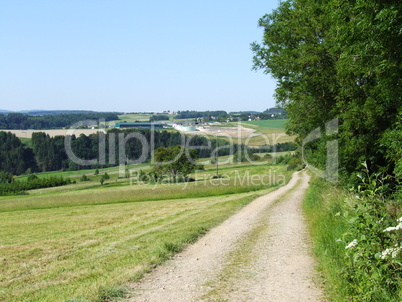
<point>262,253</point>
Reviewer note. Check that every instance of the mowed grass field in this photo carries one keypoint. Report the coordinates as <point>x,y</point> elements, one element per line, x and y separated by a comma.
<point>131,118</point>
<point>269,124</point>
<point>270,132</point>
<point>81,242</point>
<point>267,132</point>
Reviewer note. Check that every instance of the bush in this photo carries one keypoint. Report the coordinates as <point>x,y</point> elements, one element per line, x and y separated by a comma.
<point>373,258</point>
<point>32,177</point>
<point>19,187</point>
<point>295,164</point>
<point>84,178</point>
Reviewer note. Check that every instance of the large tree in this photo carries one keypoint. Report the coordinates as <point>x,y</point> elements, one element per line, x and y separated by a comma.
<point>337,59</point>
<point>175,161</point>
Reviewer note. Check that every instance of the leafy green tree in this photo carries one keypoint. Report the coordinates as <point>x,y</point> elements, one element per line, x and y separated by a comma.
<point>84,178</point>
<point>6,177</point>
<point>176,161</point>
<point>337,59</point>
<point>11,154</point>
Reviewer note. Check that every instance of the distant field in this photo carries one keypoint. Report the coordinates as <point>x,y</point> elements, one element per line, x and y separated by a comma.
<point>130,118</point>
<point>78,242</point>
<point>269,132</point>
<point>26,141</point>
<point>271,124</point>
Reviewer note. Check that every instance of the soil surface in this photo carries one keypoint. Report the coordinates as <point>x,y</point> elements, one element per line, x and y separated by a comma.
<point>262,253</point>
<point>234,132</point>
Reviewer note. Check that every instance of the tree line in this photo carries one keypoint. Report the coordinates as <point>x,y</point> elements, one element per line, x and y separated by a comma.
<point>20,121</point>
<point>199,114</point>
<point>9,186</point>
<point>339,60</point>
<point>223,116</point>
<point>104,150</point>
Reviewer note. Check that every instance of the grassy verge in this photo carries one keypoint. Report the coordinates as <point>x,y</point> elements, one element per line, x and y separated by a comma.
<point>323,209</point>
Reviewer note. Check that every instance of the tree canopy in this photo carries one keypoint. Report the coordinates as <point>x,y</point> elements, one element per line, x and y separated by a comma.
<point>175,161</point>
<point>338,59</point>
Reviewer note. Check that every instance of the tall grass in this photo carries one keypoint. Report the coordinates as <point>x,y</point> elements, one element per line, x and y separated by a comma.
<point>84,244</point>
<point>323,208</point>
<point>82,252</point>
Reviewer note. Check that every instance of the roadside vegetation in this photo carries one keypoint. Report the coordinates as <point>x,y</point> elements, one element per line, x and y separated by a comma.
<point>357,241</point>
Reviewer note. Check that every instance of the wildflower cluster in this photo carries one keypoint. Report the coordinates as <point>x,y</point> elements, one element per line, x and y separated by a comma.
<point>373,247</point>
<point>393,251</point>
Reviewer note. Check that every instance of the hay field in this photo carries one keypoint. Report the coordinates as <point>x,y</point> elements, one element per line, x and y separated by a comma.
<point>81,242</point>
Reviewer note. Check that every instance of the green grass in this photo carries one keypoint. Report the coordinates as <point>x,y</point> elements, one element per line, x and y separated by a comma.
<point>26,141</point>
<point>79,173</point>
<point>323,209</point>
<point>82,243</point>
<point>64,253</point>
<point>269,132</point>
<point>131,118</point>
<point>270,124</point>
<point>238,178</point>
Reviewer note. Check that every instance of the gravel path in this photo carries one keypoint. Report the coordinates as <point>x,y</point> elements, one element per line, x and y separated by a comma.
<point>262,253</point>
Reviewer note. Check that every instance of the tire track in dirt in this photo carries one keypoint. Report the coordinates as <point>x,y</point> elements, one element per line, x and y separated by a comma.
<point>262,253</point>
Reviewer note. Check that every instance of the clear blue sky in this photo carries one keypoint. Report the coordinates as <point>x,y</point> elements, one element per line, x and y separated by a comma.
<point>133,55</point>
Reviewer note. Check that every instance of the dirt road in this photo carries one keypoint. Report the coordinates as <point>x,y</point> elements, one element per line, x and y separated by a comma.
<point>260,254</point>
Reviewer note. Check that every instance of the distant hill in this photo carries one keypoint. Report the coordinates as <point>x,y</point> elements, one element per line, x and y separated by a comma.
<point>275,110</point>
<point>55,112</point>
<point>244,112</point>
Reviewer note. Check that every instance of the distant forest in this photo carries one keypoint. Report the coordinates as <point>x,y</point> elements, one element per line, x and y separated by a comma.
<point>20,121</point>
<point>199,114</point>
<point>49,153</point>
<point>221,115</point>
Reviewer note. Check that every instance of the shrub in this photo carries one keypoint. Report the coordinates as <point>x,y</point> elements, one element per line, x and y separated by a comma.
<point>84,178</point>
<point>373,255</point>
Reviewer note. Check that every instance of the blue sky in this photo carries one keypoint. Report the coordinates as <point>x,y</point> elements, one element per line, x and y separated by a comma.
<point>132,56</point>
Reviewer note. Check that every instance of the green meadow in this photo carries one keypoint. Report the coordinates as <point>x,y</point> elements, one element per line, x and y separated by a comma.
<point>84,241</point>
<point>269,124</point>
<point>268,132</point>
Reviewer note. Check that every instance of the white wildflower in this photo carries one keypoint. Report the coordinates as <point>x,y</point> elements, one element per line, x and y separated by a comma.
<point>395,252</point>
<point>390,229</point>
<point>398,227</point>
<point>352,244</point>
<point>385,253</point>
<point>391,251</point>
<point>400,219</point>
